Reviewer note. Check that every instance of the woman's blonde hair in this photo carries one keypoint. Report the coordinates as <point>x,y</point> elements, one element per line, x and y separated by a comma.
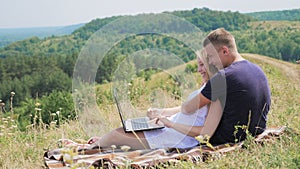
<point>210,69</point>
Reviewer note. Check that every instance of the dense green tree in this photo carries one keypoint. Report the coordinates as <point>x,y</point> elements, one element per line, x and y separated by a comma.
<point>56,107</point>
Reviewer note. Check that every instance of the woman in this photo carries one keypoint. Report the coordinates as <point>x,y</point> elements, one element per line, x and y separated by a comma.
<point>180,131</point>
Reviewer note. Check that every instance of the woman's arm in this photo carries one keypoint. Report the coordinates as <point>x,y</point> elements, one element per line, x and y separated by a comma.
<point>211,123</point>
<point>170,111</point>
<point>155,112</point>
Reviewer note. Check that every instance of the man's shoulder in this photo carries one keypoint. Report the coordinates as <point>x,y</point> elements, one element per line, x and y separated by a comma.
<point>242,65</point>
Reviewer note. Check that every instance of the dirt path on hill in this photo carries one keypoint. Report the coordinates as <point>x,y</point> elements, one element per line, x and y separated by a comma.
<point>291,70</point>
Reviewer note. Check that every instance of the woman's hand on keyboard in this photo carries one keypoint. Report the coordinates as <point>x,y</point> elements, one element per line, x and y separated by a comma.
<point>154,113</point>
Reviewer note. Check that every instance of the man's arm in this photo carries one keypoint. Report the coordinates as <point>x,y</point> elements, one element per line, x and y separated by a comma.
<point>191,105</point>
<point>213,118</point>
<point>189,130</point>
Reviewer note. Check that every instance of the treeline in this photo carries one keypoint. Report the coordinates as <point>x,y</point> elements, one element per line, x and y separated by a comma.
<point>208,20</point>
<point>8,35</point>
<point>40,70</point>
<point>30,77</point>
<point>283,44</point>
<point>284,15</point>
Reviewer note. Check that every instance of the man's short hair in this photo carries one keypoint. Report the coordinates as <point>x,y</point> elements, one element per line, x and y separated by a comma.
<point>220,37</point>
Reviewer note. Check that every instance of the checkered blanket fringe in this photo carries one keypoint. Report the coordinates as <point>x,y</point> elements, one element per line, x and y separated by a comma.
<point>75,155</point>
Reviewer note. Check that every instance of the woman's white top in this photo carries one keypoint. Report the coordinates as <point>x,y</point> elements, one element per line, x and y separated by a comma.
<point>170,138</point>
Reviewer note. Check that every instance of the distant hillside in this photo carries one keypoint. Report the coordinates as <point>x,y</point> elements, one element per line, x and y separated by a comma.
<point>36,66</point>
<point>207,19</point>
<point>284,15</point>
<point>10,35</point>
<point>276,39</point>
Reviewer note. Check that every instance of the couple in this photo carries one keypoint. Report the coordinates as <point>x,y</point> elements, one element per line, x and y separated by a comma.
<point>230,101</point>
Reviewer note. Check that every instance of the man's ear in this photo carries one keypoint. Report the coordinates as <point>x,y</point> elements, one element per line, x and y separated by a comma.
<point>225,50</point>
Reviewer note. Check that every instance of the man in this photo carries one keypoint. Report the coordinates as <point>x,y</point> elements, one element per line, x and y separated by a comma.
<point>240,86</point>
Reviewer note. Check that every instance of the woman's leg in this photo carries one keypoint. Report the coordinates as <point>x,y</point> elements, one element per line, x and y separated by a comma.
<point>119,138</point>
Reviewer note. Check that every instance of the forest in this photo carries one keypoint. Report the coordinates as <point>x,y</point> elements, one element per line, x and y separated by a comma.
<point>284,15</point>
<point>37,72</point>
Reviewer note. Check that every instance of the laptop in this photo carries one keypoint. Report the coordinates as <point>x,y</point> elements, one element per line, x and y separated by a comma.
<point>135,124</point>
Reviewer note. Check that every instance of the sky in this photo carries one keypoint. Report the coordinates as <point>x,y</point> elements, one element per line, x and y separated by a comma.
<point>44,13</point>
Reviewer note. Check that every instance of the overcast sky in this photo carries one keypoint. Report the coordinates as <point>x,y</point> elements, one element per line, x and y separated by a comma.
<point>41,13</point>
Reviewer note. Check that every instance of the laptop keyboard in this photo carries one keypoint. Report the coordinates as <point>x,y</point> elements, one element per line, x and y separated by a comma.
<point>140,123</point>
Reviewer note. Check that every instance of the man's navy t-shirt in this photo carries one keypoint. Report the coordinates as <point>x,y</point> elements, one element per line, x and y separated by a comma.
<point>244,93</point>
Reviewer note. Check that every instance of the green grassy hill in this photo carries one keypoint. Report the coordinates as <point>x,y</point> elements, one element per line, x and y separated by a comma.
<point>25,149</point>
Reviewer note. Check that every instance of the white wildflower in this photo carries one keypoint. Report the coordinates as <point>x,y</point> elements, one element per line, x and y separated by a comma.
<point>125,148</point>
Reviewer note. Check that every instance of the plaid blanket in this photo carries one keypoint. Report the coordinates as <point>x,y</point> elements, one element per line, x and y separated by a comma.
<point>75,155</point>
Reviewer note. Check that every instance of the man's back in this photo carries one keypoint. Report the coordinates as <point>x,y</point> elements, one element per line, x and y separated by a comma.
<point>247,96</point>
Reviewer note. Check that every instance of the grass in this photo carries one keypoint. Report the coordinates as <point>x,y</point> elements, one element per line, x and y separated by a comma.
<point>25,149</point>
